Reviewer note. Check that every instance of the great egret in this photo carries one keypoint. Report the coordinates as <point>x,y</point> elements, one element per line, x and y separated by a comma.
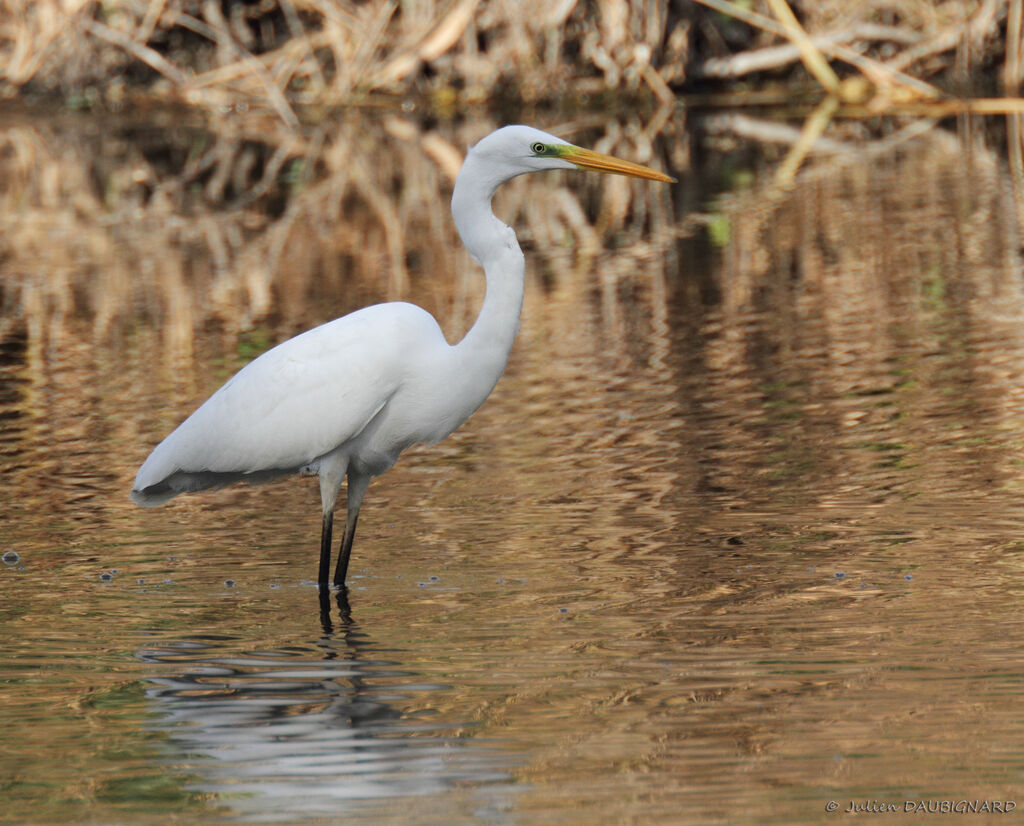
<point>346,398</point>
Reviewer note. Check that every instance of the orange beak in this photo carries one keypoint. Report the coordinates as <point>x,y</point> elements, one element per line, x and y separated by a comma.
<point>586,159</point>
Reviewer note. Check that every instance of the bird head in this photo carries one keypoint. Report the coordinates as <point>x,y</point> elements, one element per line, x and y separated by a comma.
<point>516,150</point>
<point>505,154</point>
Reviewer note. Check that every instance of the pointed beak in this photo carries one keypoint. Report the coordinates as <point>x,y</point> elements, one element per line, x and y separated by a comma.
<point>586,159</point>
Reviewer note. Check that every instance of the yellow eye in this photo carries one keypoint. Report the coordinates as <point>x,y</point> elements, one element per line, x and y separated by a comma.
<point>538,148</point>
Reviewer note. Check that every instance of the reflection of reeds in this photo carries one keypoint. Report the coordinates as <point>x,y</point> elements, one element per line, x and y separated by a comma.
<point>847,313</point>
<point>241,232</point>
<point>822,291</point>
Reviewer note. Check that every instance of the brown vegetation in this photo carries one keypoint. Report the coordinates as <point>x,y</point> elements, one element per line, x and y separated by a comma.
<point>289,55</point>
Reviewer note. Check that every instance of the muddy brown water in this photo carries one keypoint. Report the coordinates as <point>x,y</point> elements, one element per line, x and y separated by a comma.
<point>738,538</point>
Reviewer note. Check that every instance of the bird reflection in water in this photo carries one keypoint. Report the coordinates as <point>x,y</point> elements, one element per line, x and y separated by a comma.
<point>310,730</point>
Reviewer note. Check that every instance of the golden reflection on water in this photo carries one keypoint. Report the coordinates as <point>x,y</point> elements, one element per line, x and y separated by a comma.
<point>738,532</point>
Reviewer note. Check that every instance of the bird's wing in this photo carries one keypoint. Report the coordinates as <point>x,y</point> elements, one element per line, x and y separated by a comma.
<point>299,400</point>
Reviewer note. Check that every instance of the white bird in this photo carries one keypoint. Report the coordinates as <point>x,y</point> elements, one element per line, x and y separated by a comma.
<point>347,397</point>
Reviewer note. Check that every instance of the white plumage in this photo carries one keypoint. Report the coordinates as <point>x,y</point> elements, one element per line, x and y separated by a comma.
<point>346,398</point>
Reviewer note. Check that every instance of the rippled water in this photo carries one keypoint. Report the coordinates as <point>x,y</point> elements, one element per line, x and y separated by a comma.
<point>738,534</point>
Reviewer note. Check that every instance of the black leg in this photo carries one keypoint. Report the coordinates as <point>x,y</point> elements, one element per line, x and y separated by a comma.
<point>325,549</point>
<point>346,549</point>
<point>357,484</point>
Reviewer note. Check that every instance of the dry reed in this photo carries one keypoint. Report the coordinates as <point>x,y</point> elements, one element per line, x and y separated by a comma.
<point>284,54</point>
<point>288,55</point>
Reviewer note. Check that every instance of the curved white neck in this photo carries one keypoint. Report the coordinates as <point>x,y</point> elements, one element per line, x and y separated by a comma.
<point>484,351</point>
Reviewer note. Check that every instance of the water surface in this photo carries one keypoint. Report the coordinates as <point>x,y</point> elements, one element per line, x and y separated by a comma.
<point>739,533</point>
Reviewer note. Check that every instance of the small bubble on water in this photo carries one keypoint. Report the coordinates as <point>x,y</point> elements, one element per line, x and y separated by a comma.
<point>114,571</point>
<point>908,577</point>
<point>142,580</point>
<point>11,558</point>
<point>840,575</point>
<point>563,610</point>
<point>434,578</point>
<point>229,583</point>
<point>106,576</point>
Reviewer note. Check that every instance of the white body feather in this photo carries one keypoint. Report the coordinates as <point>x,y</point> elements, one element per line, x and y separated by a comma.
<point>294,404</point>
<point>346,398</point>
